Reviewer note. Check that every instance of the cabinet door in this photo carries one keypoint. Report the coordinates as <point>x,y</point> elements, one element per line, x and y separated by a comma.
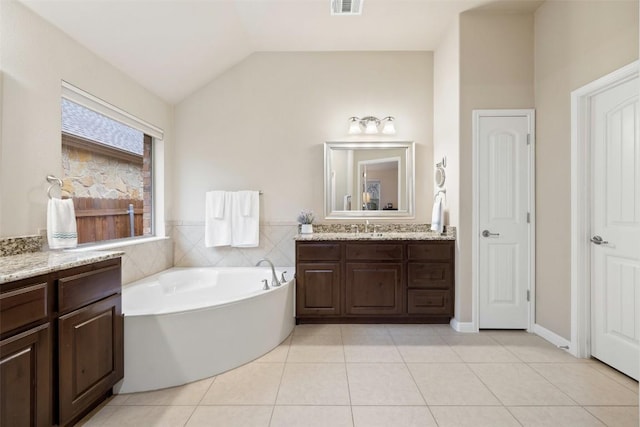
<point>374,288</point>
<point>90,355</point>
<point>318,288</point>
<point>431,275</point>
<point>25,378</point>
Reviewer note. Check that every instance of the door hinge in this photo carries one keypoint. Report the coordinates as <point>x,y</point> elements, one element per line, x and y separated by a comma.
<point>528,295</point>
<point>528,217</point>
<point>528,139</point>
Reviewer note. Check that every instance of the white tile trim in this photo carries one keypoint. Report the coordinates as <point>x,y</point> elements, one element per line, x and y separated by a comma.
<point>552,337</point>
<point>467,327</point>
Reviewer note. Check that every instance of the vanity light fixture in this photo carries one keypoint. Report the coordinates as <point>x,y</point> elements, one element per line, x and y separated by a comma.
<point>371,125</point>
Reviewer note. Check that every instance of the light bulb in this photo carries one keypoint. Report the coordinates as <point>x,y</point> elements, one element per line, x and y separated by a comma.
<point>354,126</point>
<point>371,127</point>
<point>389,128</point>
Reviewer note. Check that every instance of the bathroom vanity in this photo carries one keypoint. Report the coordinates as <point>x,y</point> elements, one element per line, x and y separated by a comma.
<point>61,335</point>
<point>389,278</point>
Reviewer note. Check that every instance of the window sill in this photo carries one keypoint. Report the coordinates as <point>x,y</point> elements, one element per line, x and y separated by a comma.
<point>117,244</point>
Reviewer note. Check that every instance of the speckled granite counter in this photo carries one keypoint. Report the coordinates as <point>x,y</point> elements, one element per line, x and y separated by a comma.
<point>424,235</point>
<point>22,266</point>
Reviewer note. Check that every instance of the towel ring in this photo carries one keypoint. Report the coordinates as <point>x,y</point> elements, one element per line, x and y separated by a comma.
<point>53,180</point>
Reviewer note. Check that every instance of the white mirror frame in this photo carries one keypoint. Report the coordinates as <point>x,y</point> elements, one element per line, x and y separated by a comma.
<point>408,213</point>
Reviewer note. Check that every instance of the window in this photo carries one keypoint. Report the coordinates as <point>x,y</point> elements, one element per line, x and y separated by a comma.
<point>108,173</point>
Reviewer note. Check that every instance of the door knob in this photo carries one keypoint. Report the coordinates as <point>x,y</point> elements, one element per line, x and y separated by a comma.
<point>487,233</point>
<point>598,240</point>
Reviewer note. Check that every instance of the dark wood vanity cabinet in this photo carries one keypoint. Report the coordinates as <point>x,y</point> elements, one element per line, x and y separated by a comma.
<point>90,337</point>
<point>61,348</point>
<point>374,281</point>
<point>26,352</point>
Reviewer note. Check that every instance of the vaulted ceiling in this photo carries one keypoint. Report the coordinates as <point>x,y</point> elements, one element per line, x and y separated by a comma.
<point>174,47</point>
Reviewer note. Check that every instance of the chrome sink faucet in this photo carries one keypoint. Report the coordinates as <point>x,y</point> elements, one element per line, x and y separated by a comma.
<point>366,225</point>
<point>274,279</point>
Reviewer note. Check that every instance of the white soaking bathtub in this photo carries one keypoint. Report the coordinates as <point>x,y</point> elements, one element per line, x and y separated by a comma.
<point>185,324</point>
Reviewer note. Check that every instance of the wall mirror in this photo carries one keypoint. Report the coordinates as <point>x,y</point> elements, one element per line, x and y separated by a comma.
<point>369,180</point>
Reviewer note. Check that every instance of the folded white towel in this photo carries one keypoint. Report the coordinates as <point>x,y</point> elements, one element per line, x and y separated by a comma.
<point>437,221</point>
<point>215,204</point>
<point>62,231</point>
<point>245,202</point>
<point>217,225</point>
<point>245,219</point>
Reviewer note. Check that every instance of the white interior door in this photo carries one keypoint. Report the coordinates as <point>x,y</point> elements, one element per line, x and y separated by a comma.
<point>615,251</point>
<point>503,206</point>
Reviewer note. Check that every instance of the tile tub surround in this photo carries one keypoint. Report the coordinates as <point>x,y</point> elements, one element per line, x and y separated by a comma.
<point>145,259</point>
<point>317,378</point>
<point>22,266</point>
<point>20,245</point>
<point>276,243</point>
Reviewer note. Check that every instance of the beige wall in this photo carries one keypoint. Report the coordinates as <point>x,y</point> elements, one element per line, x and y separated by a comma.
<point>496,72</point>
<point>446,124</point>
<point>576,43</point>
<point>35,58</point>
<point>263,123</point>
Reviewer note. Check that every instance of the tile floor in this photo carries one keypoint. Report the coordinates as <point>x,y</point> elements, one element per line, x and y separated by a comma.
<point>393,375</point>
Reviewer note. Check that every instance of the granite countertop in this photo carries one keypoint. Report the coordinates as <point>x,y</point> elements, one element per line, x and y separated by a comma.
<point>422,235</point>
<point>16,267</point>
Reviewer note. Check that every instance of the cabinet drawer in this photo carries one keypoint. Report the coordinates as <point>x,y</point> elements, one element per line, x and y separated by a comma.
<point>430,251</point>
<point>374,252</point>
<point>23,306</point>
<point>318,251</point>
<point>433,275</point>
<point>429,302</point>
<point>83,288</point>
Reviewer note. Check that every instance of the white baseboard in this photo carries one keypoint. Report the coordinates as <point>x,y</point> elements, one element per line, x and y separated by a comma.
<point>552,337</point>
<point>467,327</point>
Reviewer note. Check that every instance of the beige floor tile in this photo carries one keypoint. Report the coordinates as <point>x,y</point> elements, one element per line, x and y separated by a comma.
<point>530,348</point>
<point>517,384</point>
<point>386,416</point>
<point>408,329</point>
<point>382,384</point>
<point>149,416</point>
<point>97,417</point>
<point>316,349</point>
<point>311,416</point>
<point>425,349</point>
<point>475,348</point>
<point>617,376</point>
<point>447,330</point>
<point>277,355</point>
<point>616,416</point>
<point>554,416</point>
<point>314,384</point>
<point>473,416</point>
<point>356,329</point>
<point>118,399</point>
<point>321,329</point>
<point>252,384</point>
<point>188,394</point>
<point>231,416</point>
<point>370,349</point>
<point>586,385</point>
<point>451,384</point>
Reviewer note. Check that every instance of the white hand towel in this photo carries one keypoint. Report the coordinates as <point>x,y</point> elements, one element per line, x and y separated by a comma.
<point>245,229</point>
<point>215,205</point>
<point>437,223</point>
<point>62,231</point>
<point>217,229</point>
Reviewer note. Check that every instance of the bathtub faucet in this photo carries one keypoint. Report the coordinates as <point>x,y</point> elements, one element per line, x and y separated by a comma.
<point>274,279</point>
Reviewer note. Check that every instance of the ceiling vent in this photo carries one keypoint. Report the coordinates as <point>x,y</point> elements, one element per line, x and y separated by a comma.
<point>346,7</point>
